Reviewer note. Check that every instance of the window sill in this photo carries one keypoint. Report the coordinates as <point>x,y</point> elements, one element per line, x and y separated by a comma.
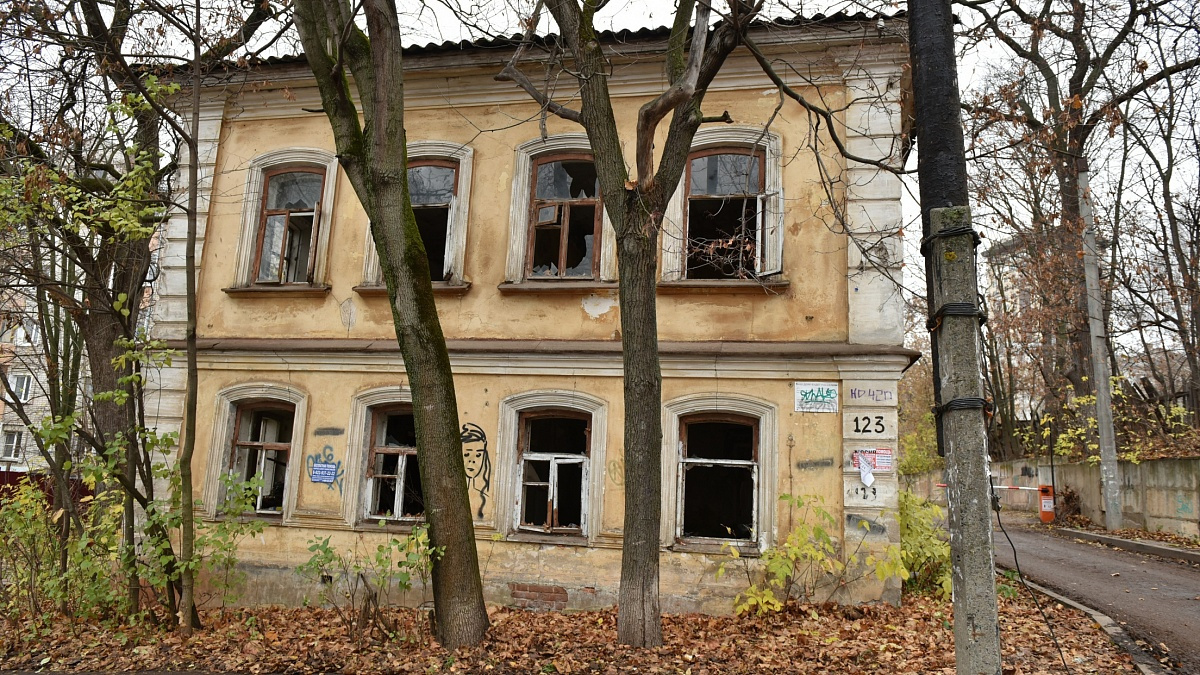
<point>388,526</point>
<point>550,539</point>
<point>280,291</point>
<point>439,288</point>
<point>745,549</point>
<point>731,286</point>
<point>557,286</point>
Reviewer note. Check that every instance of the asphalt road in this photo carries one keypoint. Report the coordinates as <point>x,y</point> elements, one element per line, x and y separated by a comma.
<point>1156,600</point>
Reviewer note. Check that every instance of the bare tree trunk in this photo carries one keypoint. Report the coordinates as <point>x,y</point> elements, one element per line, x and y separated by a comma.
<point>638,620</point>
<point>373,156</point>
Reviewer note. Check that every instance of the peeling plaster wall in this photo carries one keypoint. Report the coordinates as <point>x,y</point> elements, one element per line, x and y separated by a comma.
<point>832,296</point>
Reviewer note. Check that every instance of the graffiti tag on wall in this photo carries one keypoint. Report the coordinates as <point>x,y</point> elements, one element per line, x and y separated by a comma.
<point>323,468</point>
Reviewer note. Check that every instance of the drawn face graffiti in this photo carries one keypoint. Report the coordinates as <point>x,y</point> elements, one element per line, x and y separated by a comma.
<point>477,462</point>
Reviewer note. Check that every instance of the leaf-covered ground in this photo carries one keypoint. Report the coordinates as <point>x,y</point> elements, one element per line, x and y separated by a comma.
<point>914,638</point>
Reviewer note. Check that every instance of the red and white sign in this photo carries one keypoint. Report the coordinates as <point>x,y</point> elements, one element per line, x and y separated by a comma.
<point>880,459</point>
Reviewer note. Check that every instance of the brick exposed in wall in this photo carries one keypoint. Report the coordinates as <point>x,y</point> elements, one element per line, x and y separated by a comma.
<point>538,596</point>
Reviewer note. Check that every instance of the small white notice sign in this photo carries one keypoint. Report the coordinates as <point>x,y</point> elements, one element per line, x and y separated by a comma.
<point>817,397</point>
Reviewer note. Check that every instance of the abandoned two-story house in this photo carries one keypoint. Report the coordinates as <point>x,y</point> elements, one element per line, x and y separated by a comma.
<point>780,355</point>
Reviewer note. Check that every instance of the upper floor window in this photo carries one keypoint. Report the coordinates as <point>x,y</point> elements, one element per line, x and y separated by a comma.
<point>439,184</point>
<point>558,230</point>
<point>553,491</point>
<point>565,219</point>
<point>289,225</point>
<point>726,220</point>
<point>287,213</point>
<point>393,477</point>
<point>724,213</point>
<point>718,476</point>
<point>261,447</point>
<point>21,385</point>
<point>11,450</point>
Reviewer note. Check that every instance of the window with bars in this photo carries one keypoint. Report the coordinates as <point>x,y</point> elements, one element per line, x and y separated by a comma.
<point>718,477</point>
<point>565,219</point>
<point>288,226</point>
<point>726,214</point>
<point>261,448</point>
<point>554,467</point>
<point>393,476</point>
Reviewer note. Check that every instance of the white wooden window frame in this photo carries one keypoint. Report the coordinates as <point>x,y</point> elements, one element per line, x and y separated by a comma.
<point>224,431</point>
<point>456,223</point>
<point>507,466</point>
<point>22,386</point>
<point>556,460</point>
<point>12,448</point>
<point>519,210</point>
<point>769,258</point>
<point>252,202</point>
<point>237,467</point>
<point>672,456</point>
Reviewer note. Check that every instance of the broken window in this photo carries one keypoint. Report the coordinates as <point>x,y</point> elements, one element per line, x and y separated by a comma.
<point>432,185</point>
<point>261,447</point>
<point>725,214</point>
<point>564,232</point>
<point>287,231</point>
<point>393,477</point>
<point>553,472</point>
<point>718,476</point>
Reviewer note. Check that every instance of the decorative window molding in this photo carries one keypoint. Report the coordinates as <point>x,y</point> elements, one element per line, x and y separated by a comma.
<point>252,203</point>
<point>720,403</point>
<point>770,256</point>
<point>519,212</point>
<point>456,235</point>
<point>507,464</point>
<point>224,430</point>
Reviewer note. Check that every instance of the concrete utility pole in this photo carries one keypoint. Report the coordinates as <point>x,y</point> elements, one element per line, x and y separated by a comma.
<point>1101,376</point>
<point>949,249</point>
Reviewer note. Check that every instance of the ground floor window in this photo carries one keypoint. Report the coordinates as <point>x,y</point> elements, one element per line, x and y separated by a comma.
<point>261,446</point>
<point>718,476</point>
<point>393,476</point>
<point>552,495</point>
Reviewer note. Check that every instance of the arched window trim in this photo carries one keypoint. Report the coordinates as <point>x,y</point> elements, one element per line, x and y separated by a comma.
<point>221,442</point>
<point>422,152</point>
<point>522,195</point>
<point>674,227</point>
<point>252,202</point>
<point>508,436</point>
<point>768,452</point>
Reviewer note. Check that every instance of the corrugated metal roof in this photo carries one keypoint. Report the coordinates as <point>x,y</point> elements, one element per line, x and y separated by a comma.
<point>609,36</point>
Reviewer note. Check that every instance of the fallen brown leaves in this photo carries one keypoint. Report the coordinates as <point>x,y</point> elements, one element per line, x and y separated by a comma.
<point>914,638</point>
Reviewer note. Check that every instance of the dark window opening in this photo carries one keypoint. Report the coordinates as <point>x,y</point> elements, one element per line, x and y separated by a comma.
<point>261,447</point>
<point>432,186</point>
<point>724,190</point>
<point>718,477</point>
<point>554,465</point>
<point>565,220</point>
<point>394,491</point>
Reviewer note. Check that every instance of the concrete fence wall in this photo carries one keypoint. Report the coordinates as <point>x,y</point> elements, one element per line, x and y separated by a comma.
<point>1161,494</point>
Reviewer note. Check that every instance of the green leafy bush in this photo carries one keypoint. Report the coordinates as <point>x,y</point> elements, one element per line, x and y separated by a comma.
<point>807,561</point>
<point>924,548</point>
<point>358,584</point>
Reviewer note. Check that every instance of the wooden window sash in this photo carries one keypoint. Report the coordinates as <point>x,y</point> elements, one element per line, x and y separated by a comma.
<point>562,208</point>
<point>264,214</point>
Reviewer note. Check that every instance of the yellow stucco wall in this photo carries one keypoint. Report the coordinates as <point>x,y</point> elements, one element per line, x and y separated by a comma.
<point>813,307</point>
